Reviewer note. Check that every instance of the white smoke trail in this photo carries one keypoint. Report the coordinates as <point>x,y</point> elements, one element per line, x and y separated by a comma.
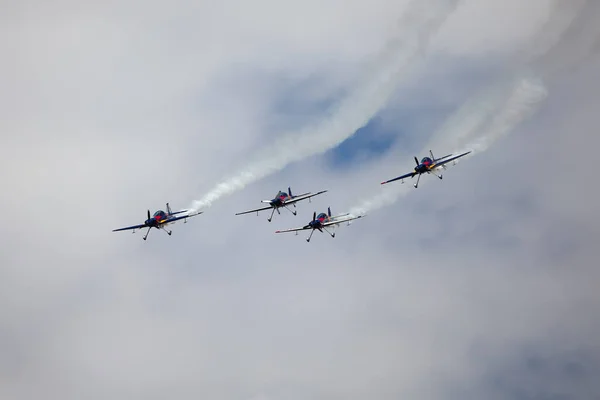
<point>417,26</point>
<point>469,132</point>
<point>524,101</point>
<point>565,41</point>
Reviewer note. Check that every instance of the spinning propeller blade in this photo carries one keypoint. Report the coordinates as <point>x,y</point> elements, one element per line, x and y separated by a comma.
<point>148,214</point>
<point>417,161</point>
<point>314,215</point>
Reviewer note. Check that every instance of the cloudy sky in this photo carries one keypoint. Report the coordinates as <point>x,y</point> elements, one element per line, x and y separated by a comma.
<point>481,285</point>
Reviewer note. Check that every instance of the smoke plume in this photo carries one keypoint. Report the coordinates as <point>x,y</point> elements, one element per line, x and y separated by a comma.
<point>416,27</point>
<point>472,134</point>
<point>567,40</point>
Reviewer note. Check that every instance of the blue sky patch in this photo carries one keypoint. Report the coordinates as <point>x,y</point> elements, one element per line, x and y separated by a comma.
<point>370,141</point>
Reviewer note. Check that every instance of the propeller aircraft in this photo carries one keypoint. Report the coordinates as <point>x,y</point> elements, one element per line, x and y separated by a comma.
<point>282,199</point>
<point>427,165</point>
<point>160,220</point>
<point>322,221</point>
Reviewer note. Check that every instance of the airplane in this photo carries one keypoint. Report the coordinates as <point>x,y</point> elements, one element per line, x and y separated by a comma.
<point>321,222</point>
<point>283,199</point>
<point>427,165</point>
<point>159,220</point>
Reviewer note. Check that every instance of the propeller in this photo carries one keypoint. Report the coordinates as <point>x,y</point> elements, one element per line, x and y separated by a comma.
<point>311,224</point>
<point>148,214</point>
<point>417,161</point>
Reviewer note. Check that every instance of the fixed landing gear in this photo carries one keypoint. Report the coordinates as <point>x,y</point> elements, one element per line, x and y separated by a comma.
<point>292,211</point>
<point>272,212</point>
<point>147,232</point>
<point>439,176</point>
<point>416,185</point>
<point>313,231</point>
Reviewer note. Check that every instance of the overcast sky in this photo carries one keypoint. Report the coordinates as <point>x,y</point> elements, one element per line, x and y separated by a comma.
<point>480,285</point>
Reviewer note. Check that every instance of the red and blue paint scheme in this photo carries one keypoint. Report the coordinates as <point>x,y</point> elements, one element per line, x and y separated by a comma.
<point>427,165</point>
<point>322,221</point>
<point>160,220</point>
<point>282,200</point>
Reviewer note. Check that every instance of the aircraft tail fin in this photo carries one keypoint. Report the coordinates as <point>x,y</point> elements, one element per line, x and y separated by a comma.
<point>290,191</point>
<point>329,211</point>
<point>169,212</point>
<point>432,156</point>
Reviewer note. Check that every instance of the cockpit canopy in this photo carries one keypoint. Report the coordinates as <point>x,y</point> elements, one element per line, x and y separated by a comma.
<point>160,213</point>
<point>426,161</point>
<point>322,216</point>
<point>282,194</point>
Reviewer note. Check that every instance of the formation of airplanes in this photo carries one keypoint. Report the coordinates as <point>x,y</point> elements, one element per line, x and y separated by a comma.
<point>429,165</point>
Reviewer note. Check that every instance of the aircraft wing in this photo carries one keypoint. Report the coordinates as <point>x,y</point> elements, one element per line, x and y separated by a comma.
<point>294,229</point>
<point>304,196</point>
<point>439,164</point>
<point>169,220</point>
<point>410,174</point>
<point>252,211</point>
<point>179,212</point>
<point>129,227</point>
<point>441,158</point>
<point>346,218</point>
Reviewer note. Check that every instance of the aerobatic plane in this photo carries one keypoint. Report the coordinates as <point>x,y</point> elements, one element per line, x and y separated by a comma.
<point>160,220</point>
<point>282,199</point>
<point>427,165</point>
<point>322,221</point>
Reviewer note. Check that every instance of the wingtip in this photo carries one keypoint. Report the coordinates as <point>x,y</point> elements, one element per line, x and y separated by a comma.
<point>383,183</point>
